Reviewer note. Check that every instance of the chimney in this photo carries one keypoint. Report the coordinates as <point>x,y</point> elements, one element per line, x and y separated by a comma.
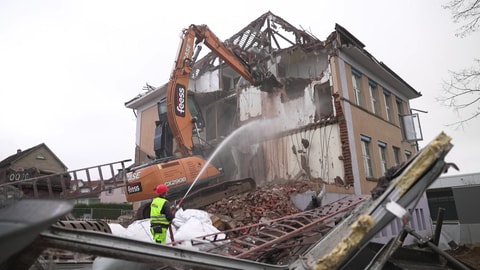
<point>19,151</point>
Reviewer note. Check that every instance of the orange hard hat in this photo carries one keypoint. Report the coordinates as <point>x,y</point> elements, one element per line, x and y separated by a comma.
<point>161,189</point>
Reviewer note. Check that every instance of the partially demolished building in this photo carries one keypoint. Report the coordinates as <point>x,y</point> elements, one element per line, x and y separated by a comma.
<point>339,119</point>
<point>342,117</point>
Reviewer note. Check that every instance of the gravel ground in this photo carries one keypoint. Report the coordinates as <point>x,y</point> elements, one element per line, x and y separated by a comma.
<point>469,255</point>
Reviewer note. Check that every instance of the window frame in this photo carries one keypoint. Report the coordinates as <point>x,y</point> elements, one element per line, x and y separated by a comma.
<point>408,155</point>
<point>382,148</point>
<point>373,89</point>
<point>387,96</point>
<point>400,109</point>
<point>357,87</point>
<point>397,155</point>
<point>367,156</point>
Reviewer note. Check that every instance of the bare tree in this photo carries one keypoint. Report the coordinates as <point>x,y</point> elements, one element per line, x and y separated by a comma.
<point>462,92</point>
<point>466,12</point>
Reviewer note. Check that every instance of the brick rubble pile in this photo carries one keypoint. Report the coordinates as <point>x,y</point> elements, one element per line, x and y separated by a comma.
<point>265,203</point>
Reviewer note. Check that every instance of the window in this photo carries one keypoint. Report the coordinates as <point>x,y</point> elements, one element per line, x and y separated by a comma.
<point>366,156</point>
<point>396,155</point>
<point>412,130</point>
<point>357,87</point>
<point>229,82</point>
<point>222,116</point>
<point>442,198</point>
<point>382,147</point>
<point>408,154</point>
<point>163,138</point>
<point>388,105</point>
<point>400,110</point>
<point>323,101</point>
<point>374,97</point>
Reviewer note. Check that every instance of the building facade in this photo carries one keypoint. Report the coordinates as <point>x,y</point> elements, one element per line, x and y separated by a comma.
<point>342,118</point>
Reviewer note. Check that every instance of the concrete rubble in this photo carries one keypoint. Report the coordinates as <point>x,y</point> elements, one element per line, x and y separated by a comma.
<point>269,202</point>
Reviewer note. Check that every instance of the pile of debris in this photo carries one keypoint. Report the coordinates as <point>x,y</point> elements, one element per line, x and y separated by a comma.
<point>266,203</point>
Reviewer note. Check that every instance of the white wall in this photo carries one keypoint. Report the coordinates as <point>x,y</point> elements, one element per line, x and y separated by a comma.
<point>420,221</point>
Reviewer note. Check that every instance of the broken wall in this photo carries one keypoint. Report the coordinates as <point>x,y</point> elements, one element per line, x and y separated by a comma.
<point>304,140</point>
<point>300,64</point>
<point>297,137</point>
<point>207,82</point>
<point>145,142</point>
<point>310,154</point>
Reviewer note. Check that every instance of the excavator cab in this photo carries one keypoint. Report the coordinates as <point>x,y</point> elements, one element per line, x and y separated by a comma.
<point>163,138</point>
<point>199,122</point>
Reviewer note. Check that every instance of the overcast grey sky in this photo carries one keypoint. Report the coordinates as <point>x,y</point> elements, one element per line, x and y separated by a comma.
<point>68,67</point>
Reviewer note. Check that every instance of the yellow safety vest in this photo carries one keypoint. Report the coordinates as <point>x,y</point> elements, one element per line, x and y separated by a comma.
<point>156,218</point>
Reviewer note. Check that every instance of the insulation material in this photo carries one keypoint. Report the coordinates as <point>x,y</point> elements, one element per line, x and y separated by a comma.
<point>188,224</point>
<point>192,223</point>
<point>359,229</point>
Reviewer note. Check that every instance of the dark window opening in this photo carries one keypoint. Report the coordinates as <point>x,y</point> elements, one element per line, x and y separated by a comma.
<point>163,138</point>
<point>221,118</point>
<point>323,101</point>
<point>442,198</point>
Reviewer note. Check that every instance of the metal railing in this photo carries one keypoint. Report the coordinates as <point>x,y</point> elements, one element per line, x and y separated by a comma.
<point>67,185</point>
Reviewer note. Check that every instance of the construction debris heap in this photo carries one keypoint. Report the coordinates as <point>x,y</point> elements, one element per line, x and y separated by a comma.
<point>269,202</point>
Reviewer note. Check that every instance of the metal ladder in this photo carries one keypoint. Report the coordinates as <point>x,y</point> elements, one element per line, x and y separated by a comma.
<point>277,239</point>
<point>105,176</point>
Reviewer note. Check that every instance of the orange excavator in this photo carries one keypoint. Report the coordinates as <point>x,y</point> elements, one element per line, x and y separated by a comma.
<point>181,174</point>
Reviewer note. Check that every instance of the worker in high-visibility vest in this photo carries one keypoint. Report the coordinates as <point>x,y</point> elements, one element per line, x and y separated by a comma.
<point>160,215</point>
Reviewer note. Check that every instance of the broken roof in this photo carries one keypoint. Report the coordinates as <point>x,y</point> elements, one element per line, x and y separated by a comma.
<point>269,35</point>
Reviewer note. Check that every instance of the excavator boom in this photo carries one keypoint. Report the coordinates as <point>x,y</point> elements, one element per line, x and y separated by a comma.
<point>180,119</point>
<point>179,174</point>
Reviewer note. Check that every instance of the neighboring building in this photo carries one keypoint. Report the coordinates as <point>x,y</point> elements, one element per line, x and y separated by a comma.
<point>37,161</point>
<point>459,196</point>
<point>342,118</point>
<point>85,192</point>
<point>41,164</point>
<point>88,192</point>
<point>113,195</point>
<point>91,192</point>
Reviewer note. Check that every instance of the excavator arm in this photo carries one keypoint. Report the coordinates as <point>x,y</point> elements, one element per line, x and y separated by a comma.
<point>179,118</point>
<point>181,173</point>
